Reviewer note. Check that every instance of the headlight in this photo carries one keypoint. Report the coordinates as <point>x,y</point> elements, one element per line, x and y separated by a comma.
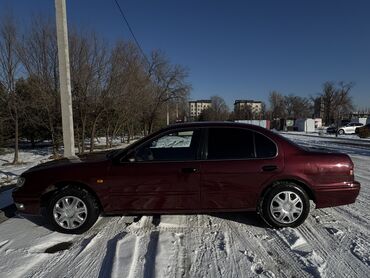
<point>20,181</point>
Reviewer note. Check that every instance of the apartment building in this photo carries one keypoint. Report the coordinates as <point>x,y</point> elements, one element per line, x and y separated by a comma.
<point>255,106</point>
<point>197,106</point>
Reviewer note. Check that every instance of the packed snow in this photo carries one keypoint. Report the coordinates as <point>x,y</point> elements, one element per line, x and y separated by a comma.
<point>333,242</point>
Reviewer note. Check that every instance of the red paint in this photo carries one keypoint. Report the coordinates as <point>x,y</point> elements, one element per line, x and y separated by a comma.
<point>219,185</point>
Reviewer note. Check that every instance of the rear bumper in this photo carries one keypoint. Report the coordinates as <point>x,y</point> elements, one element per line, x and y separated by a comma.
<point>328,196</point>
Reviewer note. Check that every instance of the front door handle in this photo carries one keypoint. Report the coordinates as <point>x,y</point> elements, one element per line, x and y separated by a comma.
<point>269,168</point>
<point>189,170</point>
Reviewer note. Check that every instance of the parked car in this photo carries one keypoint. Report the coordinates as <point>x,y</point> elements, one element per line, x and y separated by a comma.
<point>363,131</point>
<point>349,128</point>
<point>190,168</point>
<point>331,129</point>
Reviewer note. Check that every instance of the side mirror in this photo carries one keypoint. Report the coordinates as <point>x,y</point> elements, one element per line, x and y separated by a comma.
<point>130,157</point>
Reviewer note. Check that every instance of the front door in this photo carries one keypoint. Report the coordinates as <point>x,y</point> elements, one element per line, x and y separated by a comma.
<point>161,175</point>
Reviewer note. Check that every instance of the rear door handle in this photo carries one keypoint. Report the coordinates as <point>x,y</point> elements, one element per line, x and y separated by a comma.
<point>269,168</point>
<point>189,170</point>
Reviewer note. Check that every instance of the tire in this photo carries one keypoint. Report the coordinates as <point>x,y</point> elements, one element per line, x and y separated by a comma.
<point>341,132</point>
<point>72,210</point>
<point>285,205</point>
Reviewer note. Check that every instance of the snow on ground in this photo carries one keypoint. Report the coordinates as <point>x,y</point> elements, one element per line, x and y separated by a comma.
<point>333,242</point>
<point>325,135</point>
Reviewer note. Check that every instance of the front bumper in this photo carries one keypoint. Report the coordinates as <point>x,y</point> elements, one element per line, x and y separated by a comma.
<point>331,196</point>
<point>28,205</point>
<point>19,206</point>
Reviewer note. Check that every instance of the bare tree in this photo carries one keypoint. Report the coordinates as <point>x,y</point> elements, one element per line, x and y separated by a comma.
<point>166,82</point>
<point>38,53</point>
<point>297,107</point>
<point>127,82</point>
<point>218,111</point>
<point>88,58</point>
<point>9,65</point>
<point>337,101</point>
<point>115,91</point>
<point>277,105</point>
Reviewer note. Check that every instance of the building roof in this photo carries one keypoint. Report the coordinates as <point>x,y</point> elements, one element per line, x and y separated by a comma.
<point>246,101</point>
<point>201,100</point>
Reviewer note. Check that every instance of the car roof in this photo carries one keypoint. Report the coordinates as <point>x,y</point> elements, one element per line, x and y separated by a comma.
<point>213,124</point>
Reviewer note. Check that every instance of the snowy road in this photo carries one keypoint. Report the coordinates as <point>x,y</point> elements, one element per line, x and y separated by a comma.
<point>332,242</point>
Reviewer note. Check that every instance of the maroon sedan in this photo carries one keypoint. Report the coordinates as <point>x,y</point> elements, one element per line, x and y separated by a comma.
<point>188,168</point>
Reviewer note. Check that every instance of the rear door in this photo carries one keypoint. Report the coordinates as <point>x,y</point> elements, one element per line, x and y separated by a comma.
<point>237,162</point>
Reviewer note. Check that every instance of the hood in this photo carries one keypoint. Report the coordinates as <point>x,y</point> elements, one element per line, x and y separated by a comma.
<point>85,158</point>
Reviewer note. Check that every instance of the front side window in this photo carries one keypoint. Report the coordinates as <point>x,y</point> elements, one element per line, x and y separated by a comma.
<point>230,143</point>
<point>174,146</point>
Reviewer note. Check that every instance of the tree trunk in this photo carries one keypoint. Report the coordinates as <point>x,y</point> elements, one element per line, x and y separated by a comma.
<point>93,131</point>
<point>16,145</point>
<point>78,142</point>
<point>128,134</point>
<point>83,131</point>
<point>33,143</point>
<point>107,137</point>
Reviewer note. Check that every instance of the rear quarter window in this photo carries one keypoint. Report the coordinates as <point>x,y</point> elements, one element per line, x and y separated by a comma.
<point>265,147</point>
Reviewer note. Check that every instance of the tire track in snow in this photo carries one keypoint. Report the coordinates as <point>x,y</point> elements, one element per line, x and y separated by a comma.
<point>333,237</point>
<point>260,260</point>
<point>91,254</point>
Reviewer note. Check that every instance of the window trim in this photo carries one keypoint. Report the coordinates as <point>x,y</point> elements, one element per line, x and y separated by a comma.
<point>205,155</point>
<point>276,146</point>
<point>134,150</point>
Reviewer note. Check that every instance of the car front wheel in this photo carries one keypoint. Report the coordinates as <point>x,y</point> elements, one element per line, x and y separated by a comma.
<point>341,132</point>
<point>72,210</point>
<point>285,206</point>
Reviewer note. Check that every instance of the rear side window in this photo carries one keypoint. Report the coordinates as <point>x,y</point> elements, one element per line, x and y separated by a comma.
<point>265,148</point>
<point>230,143</point>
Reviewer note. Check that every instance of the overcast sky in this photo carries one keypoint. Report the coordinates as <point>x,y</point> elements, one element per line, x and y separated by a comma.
<point>237,49</point>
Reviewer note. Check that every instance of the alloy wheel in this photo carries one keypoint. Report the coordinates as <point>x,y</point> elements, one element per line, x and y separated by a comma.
<point>70,212</point>
<point>286,207</point>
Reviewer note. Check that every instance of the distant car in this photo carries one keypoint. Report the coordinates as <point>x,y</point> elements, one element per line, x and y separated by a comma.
<point>349,128</point>
<point>331,130</point>
<point>191,168</point>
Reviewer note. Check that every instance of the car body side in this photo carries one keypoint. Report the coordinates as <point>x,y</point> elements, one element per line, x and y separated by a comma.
<point>327,178</point>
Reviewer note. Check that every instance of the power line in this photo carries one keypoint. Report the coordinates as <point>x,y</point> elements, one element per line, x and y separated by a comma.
<point>131,31</point>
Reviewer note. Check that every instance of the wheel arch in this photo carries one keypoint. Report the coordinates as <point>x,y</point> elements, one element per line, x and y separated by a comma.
<point>310,193</point>
<point>52,189</point>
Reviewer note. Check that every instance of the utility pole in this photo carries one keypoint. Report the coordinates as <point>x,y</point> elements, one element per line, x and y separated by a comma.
<point>65,79</point>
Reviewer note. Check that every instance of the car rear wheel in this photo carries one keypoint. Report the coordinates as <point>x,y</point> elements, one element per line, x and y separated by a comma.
<point>285,206</point>
<point>341,132</point>
<point>72,210</point>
